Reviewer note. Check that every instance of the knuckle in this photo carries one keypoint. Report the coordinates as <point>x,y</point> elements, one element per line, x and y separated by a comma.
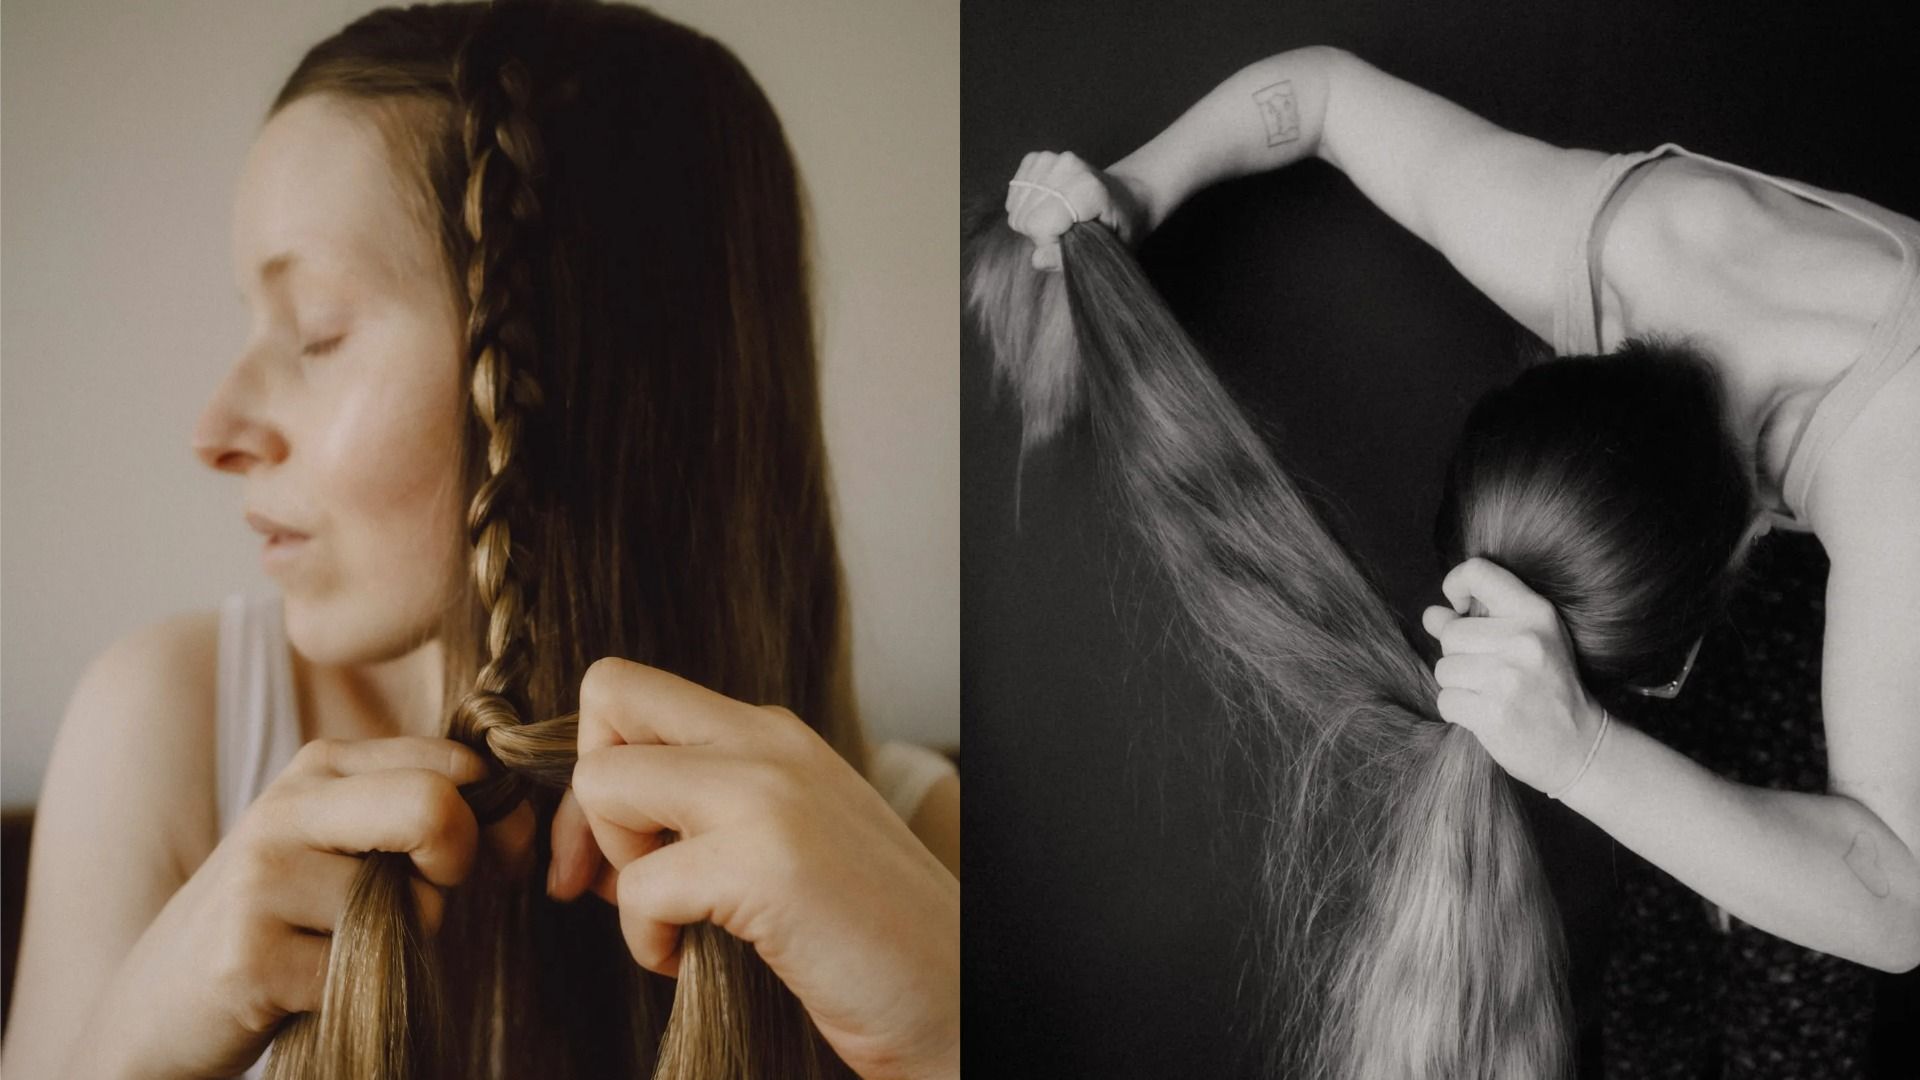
<point>435,806</point>
<point>596,685</point>
<point>316,755</point>
<point>590,778</point>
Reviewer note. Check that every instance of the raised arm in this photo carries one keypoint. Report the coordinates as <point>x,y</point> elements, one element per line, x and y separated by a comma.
<point>1495,203</point>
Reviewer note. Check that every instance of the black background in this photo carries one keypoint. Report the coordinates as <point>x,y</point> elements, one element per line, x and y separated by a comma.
<point>1107,850</point>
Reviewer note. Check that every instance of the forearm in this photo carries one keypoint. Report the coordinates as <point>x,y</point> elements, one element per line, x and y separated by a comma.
<point>1819,870</point>
<point>1267,115</point>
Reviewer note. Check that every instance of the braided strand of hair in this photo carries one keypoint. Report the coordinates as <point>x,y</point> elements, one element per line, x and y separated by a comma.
<point>504,216</point>
<point>381,1013</point>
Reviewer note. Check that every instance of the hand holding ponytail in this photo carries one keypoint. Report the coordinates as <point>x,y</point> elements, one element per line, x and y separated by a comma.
<point>1509,675</point>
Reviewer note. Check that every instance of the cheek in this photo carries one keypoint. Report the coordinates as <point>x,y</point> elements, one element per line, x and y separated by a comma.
<point>389,456</point>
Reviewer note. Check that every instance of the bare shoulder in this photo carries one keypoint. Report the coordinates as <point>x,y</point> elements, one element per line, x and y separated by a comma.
<point>1694,248</point>
<point>138,738</point>
<point>126,814</point>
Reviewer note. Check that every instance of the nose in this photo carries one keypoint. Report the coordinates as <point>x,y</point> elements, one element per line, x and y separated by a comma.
<point>231,435</point>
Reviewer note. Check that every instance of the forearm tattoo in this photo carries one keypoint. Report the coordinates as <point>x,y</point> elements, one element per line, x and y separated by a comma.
<point>1280,112</point>
<point>1864,860</point>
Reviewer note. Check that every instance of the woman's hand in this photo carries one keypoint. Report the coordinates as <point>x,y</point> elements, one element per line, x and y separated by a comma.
<point>1507,675</point>
<point>1084,193</point>
<point>781,844</point>
<point>243,943</point>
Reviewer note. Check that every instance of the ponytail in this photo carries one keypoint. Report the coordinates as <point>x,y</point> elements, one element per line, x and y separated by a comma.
<point>1410,932</point>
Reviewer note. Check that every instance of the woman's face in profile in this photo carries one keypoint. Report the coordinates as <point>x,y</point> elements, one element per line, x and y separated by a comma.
<point>343,411</point>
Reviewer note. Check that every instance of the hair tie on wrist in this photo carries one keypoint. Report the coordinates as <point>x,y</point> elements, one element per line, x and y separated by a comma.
<point>1050,191</point>
<point>1605,719</point>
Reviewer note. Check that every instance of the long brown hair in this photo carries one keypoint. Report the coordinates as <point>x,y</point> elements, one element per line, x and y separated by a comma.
<point>1409,930</point>
<point>622,222</point>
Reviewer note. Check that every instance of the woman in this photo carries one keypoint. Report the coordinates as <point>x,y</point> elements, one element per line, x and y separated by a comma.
<point>541,268</point>
<point>1802,303</point>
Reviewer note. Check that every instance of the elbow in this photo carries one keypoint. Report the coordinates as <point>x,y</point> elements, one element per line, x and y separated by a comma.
<point>1898,952</point>
<point>1900,957</point>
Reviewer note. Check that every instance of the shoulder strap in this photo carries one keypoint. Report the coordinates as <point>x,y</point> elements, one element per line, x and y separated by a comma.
<point>257,727</point>
<point>1895,339</point>
<point>1576,313</point>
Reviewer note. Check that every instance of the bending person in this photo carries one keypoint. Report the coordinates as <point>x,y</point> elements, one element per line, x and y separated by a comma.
<point>1804,306</point>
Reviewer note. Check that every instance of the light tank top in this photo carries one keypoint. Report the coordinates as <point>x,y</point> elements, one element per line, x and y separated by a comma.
<point>1894,340</point>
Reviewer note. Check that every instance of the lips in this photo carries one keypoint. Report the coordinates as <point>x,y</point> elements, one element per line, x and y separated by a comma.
<point>273,530</point>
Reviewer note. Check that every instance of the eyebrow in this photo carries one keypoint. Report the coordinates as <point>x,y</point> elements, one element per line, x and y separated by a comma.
<point>273,269</point>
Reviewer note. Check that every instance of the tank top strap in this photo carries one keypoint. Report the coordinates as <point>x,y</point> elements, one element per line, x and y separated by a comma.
<point>1894,340</point>
<point>257,721</point>
<point>1576,313</point>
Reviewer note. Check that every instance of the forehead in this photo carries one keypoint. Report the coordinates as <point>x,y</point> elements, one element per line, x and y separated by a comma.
<point>319,183</point>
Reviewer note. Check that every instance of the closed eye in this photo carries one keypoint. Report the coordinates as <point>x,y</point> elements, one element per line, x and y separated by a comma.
<point>321,348</point>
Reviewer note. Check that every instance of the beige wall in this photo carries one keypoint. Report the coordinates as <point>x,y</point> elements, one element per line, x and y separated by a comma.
<point>124,126</point>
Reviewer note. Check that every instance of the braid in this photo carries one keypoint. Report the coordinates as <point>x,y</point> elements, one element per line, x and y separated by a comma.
<point>505,219</point>
<point>397,1030</point>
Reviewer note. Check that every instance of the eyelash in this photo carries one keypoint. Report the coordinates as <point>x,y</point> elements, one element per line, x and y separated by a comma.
<point>322,348</point>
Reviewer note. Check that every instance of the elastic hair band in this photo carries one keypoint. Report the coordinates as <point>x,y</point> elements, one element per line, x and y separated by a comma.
<point>1051,191</point>
<point>1605,719</point>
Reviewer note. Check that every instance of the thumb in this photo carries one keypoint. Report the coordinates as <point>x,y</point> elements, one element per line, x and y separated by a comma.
<point>1437,618</point>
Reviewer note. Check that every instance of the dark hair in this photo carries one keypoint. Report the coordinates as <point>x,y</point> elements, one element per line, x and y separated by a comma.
<point>1407,928</point>
<point>1613,487</point>
<point>622,229</point>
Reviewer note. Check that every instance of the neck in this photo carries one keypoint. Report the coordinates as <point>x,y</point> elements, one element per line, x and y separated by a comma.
<point>401,696</point>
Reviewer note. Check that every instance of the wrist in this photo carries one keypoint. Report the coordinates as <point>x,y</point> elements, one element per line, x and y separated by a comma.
<point>1591,723</point>
<point>1143,196</point>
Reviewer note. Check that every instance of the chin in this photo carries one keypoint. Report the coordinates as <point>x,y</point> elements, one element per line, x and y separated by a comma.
<point>358,628</point>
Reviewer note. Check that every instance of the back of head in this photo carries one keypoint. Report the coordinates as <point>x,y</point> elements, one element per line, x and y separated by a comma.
<point>1611,485</point>
<point>623,234</point>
